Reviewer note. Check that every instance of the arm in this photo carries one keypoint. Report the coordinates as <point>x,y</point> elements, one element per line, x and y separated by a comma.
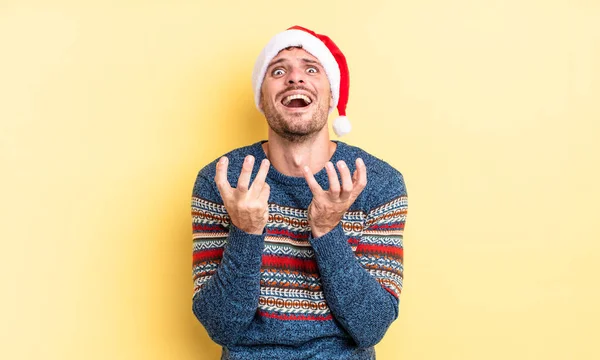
<point>228,253</point>
<point>226,271</point>
<point>362,288</point>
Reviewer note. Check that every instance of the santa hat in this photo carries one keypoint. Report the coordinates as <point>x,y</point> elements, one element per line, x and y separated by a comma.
<point>328,54</point>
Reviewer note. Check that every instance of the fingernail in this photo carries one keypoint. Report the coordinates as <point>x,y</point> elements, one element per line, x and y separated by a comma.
<point>341,164</point>
<point>249,159</point>
<point>360,161</point>
<point>306,169</point>
<point>223,160</point>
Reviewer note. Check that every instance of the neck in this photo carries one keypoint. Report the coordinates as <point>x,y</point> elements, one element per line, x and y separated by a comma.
<point>289,158</point>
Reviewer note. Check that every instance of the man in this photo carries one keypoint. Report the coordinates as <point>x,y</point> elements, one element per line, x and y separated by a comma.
<point>294,259</point>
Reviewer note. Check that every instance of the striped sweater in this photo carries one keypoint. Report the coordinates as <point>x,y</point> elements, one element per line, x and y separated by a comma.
<point>285,294</point>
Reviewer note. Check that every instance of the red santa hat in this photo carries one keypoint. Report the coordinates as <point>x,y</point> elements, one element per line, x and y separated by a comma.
<point>328,54</point>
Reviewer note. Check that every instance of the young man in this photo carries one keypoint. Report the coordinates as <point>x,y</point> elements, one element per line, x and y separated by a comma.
<point>294,259</point>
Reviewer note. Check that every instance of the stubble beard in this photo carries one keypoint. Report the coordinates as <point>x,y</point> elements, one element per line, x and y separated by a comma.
<point>292,129</point>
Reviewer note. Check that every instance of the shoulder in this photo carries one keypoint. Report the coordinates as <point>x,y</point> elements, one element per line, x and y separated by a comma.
<point>384,182</point>
<point>378,170</point>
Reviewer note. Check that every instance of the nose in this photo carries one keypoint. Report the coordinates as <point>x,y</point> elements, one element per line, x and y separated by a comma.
<point>296,76</point>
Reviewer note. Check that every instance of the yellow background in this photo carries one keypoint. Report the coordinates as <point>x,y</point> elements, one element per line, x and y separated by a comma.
<point>489,108</point>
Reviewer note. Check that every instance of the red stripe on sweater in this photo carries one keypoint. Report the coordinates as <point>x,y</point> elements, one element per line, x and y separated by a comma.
<point>387,226</point>
<point>380,249</point>
<point>208,254</point>
<point>204,227</point>
<point>290,234</point>
<point>391,292</point>
<point>306,265</point>
<point>353,241</point>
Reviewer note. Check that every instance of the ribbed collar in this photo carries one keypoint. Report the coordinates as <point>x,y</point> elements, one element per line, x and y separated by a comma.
<point>276,176</point>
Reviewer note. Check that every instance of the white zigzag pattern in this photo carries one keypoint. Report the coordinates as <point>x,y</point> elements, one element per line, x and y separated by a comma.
<point>381,263</point>
<point>381,259</point>
<point>396,204</point>
<point>392,219</point>
<point>394,285</point>
<point>207,267</point>
<point>199,282</point>
<point>293,310</point>
<point>292,293</point>
<point>202,204</point>
<point>197,219</point>
<point>392,240</point>
<point>272,249</point>
<point>208,244</point>
<point>355,216</point>
<point>288,211</point>
<point>378,274</point>
<point>295,278</point>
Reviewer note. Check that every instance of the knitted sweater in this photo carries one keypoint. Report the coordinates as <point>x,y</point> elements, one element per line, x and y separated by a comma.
<point>285,294</point>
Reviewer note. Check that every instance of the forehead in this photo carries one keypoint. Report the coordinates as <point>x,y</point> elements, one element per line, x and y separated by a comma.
<point>294,53</point>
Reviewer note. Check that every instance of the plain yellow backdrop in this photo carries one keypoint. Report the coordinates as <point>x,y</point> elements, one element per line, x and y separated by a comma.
<point>490,109</point>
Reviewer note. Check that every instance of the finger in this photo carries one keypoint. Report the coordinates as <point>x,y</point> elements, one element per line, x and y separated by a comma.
<point>221,177</point>
<point>244,179</point>
<point>314,186</point>
<point>346,180</point>
<point>265,193</point>
<point>360,177</point>
<point>259,180</point>
<point>334,183</point>
<point>359,162</point>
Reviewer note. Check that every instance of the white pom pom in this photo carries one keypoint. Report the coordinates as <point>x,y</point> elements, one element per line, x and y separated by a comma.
<point>341,126</point>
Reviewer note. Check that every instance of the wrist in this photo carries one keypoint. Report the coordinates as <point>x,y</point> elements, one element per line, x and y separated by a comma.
<point>320,225</point>
<point>253,230</point>
<point>250,229</point>
<point>318,231</point>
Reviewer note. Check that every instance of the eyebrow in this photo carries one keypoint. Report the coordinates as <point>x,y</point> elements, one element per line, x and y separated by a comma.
<point>310,61</point>
<point>306,60</point>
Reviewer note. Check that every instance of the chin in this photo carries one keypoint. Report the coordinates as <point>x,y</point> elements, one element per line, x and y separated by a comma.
<point>295,126</point>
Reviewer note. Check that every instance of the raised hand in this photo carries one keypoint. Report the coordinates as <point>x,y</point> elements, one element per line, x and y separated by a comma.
<point>328,207</point>
<point>246,205</point>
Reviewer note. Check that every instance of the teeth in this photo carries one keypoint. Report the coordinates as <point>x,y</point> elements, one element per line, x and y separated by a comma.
<point>288,99</point>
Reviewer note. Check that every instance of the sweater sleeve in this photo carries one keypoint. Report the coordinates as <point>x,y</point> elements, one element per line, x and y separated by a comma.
<point>362,288</point>
<point>226,268</point>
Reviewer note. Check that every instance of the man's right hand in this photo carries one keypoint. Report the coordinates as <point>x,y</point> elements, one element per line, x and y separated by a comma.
<point>246,205</point>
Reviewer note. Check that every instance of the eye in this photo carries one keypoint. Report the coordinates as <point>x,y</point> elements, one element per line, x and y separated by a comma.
<point>312,70</point>
<point>278,72</point>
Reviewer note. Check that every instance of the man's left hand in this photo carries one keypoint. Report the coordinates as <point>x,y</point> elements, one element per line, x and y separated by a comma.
<point>328,207</point>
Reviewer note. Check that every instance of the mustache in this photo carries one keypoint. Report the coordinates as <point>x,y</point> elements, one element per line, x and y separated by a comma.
<point>296,87</point>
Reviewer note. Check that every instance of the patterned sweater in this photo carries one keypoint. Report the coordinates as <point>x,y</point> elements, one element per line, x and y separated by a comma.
<point>285,294</point>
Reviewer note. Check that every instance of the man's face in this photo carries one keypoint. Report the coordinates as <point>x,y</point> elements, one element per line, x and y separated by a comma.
<point>295,95</point>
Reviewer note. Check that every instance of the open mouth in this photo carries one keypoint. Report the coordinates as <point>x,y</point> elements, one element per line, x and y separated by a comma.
<point>296,101</point>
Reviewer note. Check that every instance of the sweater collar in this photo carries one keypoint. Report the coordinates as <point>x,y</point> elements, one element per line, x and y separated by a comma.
<point>276,176</point>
